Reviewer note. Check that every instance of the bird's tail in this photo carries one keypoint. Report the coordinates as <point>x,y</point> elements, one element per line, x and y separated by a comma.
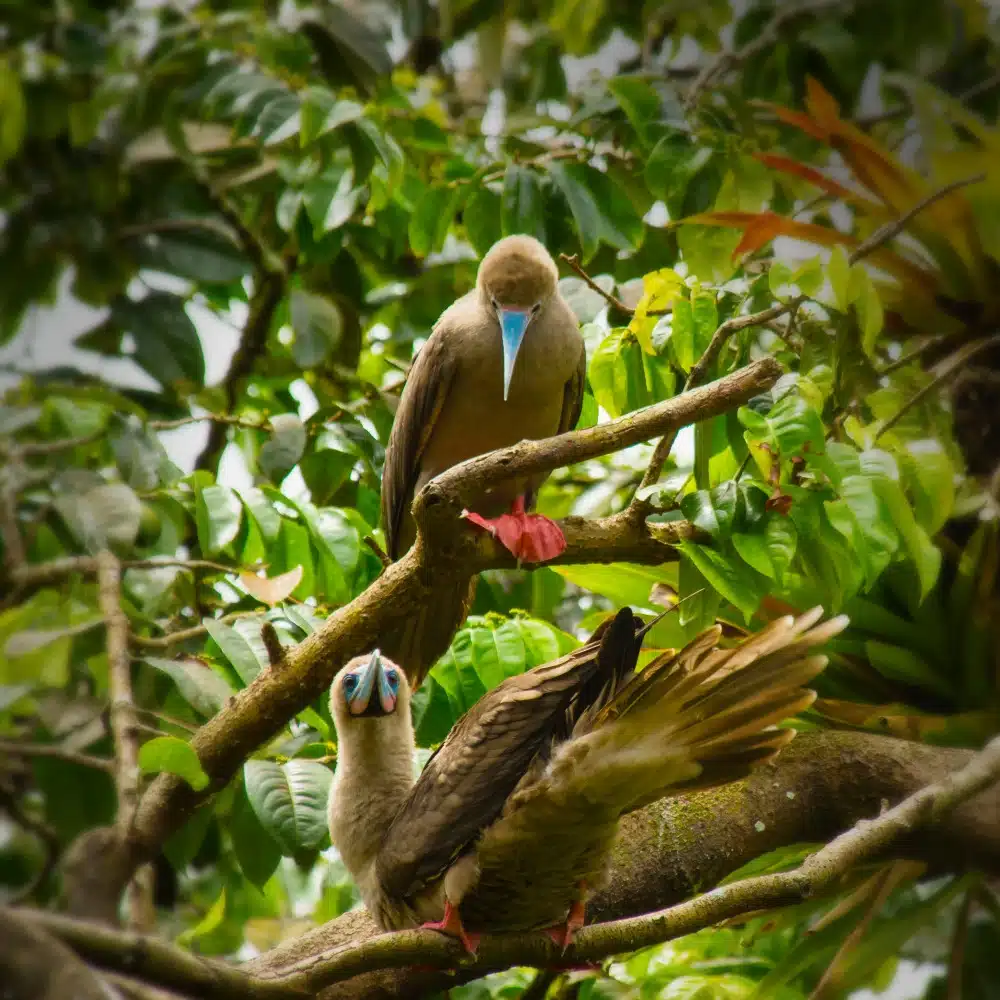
<point>425,636</point>
<point>695,719</point>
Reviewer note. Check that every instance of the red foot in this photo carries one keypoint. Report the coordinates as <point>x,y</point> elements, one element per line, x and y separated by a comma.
<point>562,934</point>
<point>528,537</point>
<point>451,924</point>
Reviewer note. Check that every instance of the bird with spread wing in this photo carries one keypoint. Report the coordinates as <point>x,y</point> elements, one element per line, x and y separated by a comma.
<point>511,823</point>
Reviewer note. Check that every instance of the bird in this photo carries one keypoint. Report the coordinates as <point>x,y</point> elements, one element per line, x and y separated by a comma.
<point>504,363</point>
<point>510,824</point>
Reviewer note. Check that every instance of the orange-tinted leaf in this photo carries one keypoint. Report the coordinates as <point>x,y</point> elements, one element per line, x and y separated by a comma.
<point>271,590</point>
<point>800,120</point>
<point>906,722</point>
<point>786,165</point>
<point>769,225</point>
<point>821,104</point>
<point>759,233</point>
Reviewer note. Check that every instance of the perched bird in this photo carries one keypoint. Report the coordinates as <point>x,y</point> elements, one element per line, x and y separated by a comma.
<point>504,363</point>
<point>513,818</point>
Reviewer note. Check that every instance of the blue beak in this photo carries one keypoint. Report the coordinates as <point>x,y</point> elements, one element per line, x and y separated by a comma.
<point>370,678</point>
<point>513,323</point>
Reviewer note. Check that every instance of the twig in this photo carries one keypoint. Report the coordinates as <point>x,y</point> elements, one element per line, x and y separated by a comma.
<point>275,650</point>
<point>891,230</point>
<point>369,540</point>
<point>950,367</point>
<point>36,449</point>
<point>57,752</point>
<point>764,39</point>
<point>700,371</point>
<point>215,418</point>
<point>182,635</point>
<point>153,959</point>
<point>123,725</point>
<point>46,573</point>
<point>956,957</point>
<point>819,872</point>
<point>574,262</point>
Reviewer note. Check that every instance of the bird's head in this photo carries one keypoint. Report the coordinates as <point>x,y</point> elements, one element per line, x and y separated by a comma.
<point>516,280</point>
<point>369,686</point>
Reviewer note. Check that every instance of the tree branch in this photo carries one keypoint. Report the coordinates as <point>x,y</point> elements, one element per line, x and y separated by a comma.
<point>32,575</point>
<point>123,727</point>
<point>574,262</point>
<point>60,753</point>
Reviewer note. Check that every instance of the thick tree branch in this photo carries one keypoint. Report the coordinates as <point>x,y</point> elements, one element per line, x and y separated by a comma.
<point>822,784</point>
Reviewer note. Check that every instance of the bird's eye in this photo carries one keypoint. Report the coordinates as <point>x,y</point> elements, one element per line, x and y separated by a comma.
<point>393,678</point>
<point>535,308</point>
<point>350,683</point>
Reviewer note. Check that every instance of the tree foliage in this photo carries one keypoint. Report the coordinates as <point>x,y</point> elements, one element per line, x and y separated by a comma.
<point>815,182</point>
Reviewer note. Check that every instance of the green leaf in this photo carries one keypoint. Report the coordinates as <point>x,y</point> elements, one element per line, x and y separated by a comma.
<point>431,219</point>
<point>572,183</point>
<point>277,120</point>
<point>267,518</point>
<point>712,510</point>
<point>929,477</point>
<point>13,112</point>
<point>737,582</point>
<point>322,113</point>
<point>671,165</point>
<point>183,845</point>
<point>904,666</point>
<point>622,583</point>
<point>167,345</point>
<point>218,513</point>
<point>212,921</point>
<point>781,859</point>
<point>256,850</point>
<point>705,318</point>
<point>282,451</point>
<point>925,555</point>
<point>348,50</point>
<point>200,686</point>
<point>167,753</point>
<point>867,305</point>
<point>318,326</point>
<point>482,217</point>
<point>838,273</point>
<point>330,200</point>
<point>290,801</point>
<point>202,255</point>
<point>246,660</point>
<point>682,335</point>
<point>521,206</point>
<point>639,102</point>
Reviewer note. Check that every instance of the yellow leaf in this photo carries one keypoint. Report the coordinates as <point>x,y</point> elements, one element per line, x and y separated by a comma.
<point>274,590</point>
<point>659,289</point>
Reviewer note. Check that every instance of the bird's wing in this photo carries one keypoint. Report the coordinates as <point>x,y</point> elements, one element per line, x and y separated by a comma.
<point>704,716</point>
<point>573,394</point>
<point>465,784</point>
<point>427,387</point>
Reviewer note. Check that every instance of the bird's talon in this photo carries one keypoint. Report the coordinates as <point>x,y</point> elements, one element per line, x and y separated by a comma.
<point>451,924</point>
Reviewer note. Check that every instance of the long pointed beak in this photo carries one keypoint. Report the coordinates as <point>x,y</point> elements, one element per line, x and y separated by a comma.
<point>372,677</point>
<point>513,323</point>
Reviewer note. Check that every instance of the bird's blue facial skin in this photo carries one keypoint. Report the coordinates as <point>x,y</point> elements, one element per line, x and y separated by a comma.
<point>360,687</point>
<point>513,323</point>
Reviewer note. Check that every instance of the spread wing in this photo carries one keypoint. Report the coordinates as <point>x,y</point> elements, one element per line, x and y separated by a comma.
<point>464,786</point>
<point>426,390</point>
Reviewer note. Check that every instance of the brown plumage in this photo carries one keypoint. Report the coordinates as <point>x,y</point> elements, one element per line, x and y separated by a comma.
<point>453,408</point>
<point>520,804</point>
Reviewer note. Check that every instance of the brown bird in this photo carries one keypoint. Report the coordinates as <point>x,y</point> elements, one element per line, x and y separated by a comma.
<point>513,818</point>
<point>504,363</point>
